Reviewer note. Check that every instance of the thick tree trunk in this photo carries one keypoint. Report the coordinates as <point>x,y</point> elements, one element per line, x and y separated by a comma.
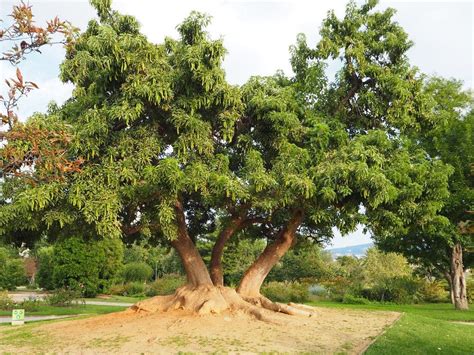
<point>458,280</point>
<point>217,274</point>
<point>255,275</point>
<point>194,266</point>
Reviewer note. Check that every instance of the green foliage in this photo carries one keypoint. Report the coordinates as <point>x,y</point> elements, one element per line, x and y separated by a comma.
<point>433,292</point>
<point>6,302</point>
<point>12,270</point>
<point>85,266</point>
<point>44,275</point>
<point>134,289</point>
<point>163,260</point>
<point>286,291</point>
<point>63,297</point>
<point>157,126</point>
<point>165,285</point>
<point>306,261</point>
<point>238,256</point>
<point>350,299</point>
<point>137,272</point>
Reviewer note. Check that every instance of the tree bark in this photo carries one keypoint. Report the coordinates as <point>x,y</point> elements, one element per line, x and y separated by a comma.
<point>217,275</point>
<point>458,280</point>
<point>255,275</point>
<point>195,268</point>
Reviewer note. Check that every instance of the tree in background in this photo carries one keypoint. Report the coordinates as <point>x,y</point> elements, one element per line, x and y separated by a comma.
<point>154,142</point>
<point>443,245</point>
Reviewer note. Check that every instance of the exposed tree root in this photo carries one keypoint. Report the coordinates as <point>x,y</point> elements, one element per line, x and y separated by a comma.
<point>203,300</point>
<point>292,308</point>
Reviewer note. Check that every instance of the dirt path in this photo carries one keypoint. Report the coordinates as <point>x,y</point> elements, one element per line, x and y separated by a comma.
<point>329,331</point>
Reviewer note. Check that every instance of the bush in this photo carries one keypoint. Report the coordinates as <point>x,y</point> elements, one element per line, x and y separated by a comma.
<point>432,292</point>
<point>134,289</point>
<point>86,266</point>
<point>12,270</point>
<point>286,291</point>
<point>45,267</point>
<point>31,304</point>
<point>117,290</point>
<point>165,285</point>
<point>6,302</point>
<point>397,289</point>
<point>338,286</point>
<point>137,272</point>
<point>350,299</point>
<point>64,297</point>
<point>470,288</point>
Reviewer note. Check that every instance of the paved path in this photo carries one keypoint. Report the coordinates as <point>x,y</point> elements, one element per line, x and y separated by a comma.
<point>34,318</point>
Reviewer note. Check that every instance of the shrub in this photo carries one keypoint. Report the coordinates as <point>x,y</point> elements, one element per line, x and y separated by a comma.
<point>6,302</point>
<point>86,266</point>
<point>351,299</point>
<point>137,272</point>
<point>397,289</point>
<point>134,289</point>
<point>45,267</point>
<point>31,304</point>
<point>12,273</point>
<point>338,286</point>
<point>63,297</point>
<point>432,292</point>
<point>117,290</point>
<point>165,285</point>
<point>286,291</point>
<point>470,288</point>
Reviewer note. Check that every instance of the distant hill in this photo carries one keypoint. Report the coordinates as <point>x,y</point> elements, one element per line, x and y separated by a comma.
<point>355,250</point>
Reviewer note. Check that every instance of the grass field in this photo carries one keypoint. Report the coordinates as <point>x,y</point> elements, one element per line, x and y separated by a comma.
<point>44,310</point>
<point>422,329</point>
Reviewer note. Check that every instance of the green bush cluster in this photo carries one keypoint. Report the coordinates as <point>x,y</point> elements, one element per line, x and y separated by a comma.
<point>75,263</point>
<point>286,291</point>
<point>137,272</point>
<point>163,286</point>
<point>12,270</point>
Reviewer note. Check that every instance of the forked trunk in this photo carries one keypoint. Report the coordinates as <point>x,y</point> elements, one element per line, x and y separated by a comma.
<point>255,275</point>
<point>217,274</point>
<point>196,270</point>
<point>458,280</point>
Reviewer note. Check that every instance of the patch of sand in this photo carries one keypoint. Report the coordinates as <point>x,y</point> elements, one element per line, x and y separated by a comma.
<point>328,331</point>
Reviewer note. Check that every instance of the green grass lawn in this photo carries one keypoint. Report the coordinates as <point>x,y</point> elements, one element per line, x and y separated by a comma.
<point>45,310</point>
<point>423,329</point>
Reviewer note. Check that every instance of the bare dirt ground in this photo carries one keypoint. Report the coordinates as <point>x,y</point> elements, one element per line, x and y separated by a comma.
<point>329,331</point>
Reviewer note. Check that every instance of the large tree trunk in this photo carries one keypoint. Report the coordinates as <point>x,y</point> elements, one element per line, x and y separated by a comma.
<point>217,274</point>
<point>201,296</point>
<point>253,278</point>
<point>458,280</point>
<point>194,266</point>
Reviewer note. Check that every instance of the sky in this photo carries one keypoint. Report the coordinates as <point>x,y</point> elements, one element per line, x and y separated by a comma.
<point>257,35</point>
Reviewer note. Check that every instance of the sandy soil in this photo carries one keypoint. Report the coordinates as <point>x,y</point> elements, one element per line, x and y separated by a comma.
<point>329,331</point>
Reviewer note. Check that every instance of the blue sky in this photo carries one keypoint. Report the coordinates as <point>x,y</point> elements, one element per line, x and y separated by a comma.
<point>257,35</point>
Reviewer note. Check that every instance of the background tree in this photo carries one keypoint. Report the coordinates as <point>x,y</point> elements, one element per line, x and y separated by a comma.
<point>441,246</point>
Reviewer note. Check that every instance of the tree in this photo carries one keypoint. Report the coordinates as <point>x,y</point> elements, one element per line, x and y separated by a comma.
<point>444,246</point>
<point>160,145</point>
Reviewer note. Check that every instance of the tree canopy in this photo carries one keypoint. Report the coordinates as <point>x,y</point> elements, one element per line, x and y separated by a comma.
<point>155,142</point>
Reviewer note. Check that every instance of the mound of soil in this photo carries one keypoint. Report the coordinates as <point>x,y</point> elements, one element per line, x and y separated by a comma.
<point>328,331</point>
